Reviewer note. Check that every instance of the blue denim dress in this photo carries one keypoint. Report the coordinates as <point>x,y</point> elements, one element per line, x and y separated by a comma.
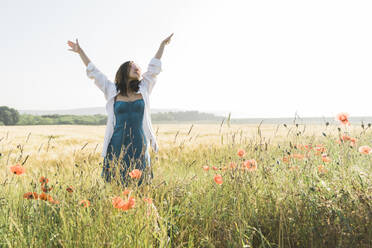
<point>127,149</point>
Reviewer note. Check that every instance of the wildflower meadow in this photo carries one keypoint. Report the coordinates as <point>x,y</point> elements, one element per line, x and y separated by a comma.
<point>286,185</point>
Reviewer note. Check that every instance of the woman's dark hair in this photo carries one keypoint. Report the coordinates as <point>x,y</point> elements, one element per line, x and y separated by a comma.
<point>122,79</point>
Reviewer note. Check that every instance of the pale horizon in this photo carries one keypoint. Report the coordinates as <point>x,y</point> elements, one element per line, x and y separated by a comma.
<point>254,59</point>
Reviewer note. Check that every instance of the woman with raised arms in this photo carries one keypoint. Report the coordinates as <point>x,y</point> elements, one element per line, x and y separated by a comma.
<point>129,129</point>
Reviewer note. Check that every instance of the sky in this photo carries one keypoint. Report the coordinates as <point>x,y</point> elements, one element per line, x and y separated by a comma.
<point>251,58</point>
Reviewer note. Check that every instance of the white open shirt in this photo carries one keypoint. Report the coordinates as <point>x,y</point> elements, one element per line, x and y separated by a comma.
<point>109,90</point>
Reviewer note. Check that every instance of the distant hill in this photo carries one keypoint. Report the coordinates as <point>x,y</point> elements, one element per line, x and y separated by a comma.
<point>178,115</point>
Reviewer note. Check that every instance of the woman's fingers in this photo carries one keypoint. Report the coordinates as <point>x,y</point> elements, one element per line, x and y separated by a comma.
<point>70,43</point>
<point>74,46</point>
<point>167,40</point>
<point>169,37</point>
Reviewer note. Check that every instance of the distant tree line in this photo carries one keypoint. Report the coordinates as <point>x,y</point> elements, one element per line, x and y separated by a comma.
<point>184,116</point>
<point>26,119</point>
<point>10,116</point>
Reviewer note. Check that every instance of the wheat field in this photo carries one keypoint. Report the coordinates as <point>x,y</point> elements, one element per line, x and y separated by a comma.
<point>214,185</point>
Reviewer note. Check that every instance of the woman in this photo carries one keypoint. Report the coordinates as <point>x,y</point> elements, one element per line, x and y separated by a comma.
<point>129,128</point>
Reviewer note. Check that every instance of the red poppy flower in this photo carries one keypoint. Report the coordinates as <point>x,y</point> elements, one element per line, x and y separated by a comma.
<point>43,180</point>
<point>118,202</point>
<point>30,195</point>
<point>17,169</point>
<point>241,152</point>
<point>135,174</point>
<point>218,179</point>
<point>308,147</point>
<point>343,118</point>
<point>206,168</point>
<point>84,203</point>
<point>364,149</point>
<point>70,189</point>
<point>45,197</point>
<point>250,164</point>
<point>129,204</point>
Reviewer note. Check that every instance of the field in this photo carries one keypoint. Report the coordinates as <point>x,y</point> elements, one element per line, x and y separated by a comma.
<point>279,186</point>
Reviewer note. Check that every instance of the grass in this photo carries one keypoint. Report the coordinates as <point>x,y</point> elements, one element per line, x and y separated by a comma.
<point>280,204</point>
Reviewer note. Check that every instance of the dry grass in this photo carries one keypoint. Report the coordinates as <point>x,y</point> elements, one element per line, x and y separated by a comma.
<point>273,206</point>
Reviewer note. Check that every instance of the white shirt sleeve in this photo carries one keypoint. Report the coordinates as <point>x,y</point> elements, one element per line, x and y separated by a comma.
<point>100,79</point>
<point>150,76</point>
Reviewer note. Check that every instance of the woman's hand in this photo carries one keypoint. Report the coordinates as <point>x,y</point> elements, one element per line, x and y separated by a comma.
<point>159,53</point>
<point>167,40</point>
<point>75,46</point>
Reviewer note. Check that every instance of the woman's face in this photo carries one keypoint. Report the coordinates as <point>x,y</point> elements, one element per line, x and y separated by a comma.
<point>135,71</point>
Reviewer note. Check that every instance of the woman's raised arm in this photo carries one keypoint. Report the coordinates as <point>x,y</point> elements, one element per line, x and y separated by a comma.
<point>100,79</point>
<point>75,47</point>
<point>154,66</point>
<point>159,53</point>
